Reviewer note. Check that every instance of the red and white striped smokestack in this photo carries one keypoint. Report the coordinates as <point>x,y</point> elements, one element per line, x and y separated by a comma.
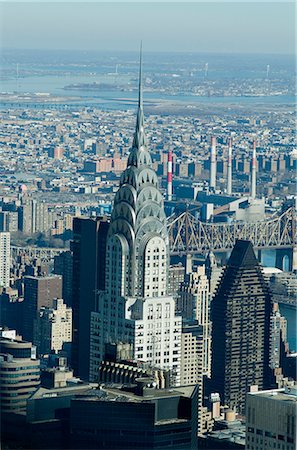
<point>229,168</point>
<point>213,163</point>
<point>169,176</point>
<point>254,170</point>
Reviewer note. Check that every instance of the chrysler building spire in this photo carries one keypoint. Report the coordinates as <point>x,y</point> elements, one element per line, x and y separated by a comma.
<point>139,137</point>
<point>138,220</point>
<point>140,103</point>
<point>139,154</point>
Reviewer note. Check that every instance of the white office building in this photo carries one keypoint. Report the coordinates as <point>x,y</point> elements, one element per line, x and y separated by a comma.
<point>137,265</point>
<point>157,334</point>
<point>193,304</point>
<point>54,327</point>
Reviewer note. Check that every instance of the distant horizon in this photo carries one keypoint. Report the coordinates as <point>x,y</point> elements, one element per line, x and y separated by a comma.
<point>177,27</point>
<point>136,51</point>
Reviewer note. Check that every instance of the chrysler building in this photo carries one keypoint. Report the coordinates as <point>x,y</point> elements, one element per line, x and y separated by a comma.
<point>135,307</point>
<point>138,233</point>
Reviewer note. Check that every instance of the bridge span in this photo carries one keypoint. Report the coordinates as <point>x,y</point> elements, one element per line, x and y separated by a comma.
<point>188,235</point>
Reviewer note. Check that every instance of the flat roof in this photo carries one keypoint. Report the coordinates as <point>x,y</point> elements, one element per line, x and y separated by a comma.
<point>270,270</point>
<point>60,392</point>
<point>284,394</point>
<point>115,393</point>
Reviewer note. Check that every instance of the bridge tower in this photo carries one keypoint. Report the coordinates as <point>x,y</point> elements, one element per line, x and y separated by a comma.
<point>282,254</point>
<point>294,259</point>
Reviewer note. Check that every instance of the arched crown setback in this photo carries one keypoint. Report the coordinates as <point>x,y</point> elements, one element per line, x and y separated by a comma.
<point>138,206</point>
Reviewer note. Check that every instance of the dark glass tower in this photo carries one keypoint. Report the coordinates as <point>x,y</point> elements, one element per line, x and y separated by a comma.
<point>63,266</point>
<point>240,312</point>
<point>89,250</point>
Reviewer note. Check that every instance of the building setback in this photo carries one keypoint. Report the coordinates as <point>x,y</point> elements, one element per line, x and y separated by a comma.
<point>240,311</point>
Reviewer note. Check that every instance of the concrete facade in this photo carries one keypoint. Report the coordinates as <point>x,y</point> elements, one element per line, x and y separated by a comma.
<point>271,419</point>
<point>54,327</point>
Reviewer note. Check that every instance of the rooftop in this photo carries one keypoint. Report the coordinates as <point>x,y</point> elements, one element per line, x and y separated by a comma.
<point>288,393</point>
<point>117,392</point>
<point>271,270</point>
<point>70,389</point>
<point>243,255</point>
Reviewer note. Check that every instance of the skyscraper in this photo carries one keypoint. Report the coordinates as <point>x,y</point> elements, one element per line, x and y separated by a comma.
<point>193,304</point>
<point>4,259</point>
<point>278,332</point>
<point>33,216</point>
<point>63,266</point>
<point>194,295</point>
<point>89,247</point>
<point>9,221</point>
<point>137,263</point>
<point>138,231</point>
<point>25,217</point>
<point>241,311</point>
<point>195,362</point>
<point>213,273</point>
<point>38,292</point>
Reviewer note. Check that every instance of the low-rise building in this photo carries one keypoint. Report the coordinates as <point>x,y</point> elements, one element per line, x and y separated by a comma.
<point>271,419</point>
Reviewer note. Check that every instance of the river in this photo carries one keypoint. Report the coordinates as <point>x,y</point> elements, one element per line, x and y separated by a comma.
<point>54,85</point>
<point>288,311</point>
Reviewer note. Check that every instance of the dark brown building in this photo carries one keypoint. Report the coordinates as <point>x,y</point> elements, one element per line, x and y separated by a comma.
<point>89,249</point>
<point>38,292</point>
<point>241,311</point>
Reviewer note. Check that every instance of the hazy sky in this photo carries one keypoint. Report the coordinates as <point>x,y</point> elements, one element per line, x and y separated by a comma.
<point>262,27</point>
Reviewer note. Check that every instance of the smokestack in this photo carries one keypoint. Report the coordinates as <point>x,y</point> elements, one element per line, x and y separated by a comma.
<point>229,168</point>
<point>267,71</point>
<point>213,163</point>
<point>169,176</point>
<point>254,168</point>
